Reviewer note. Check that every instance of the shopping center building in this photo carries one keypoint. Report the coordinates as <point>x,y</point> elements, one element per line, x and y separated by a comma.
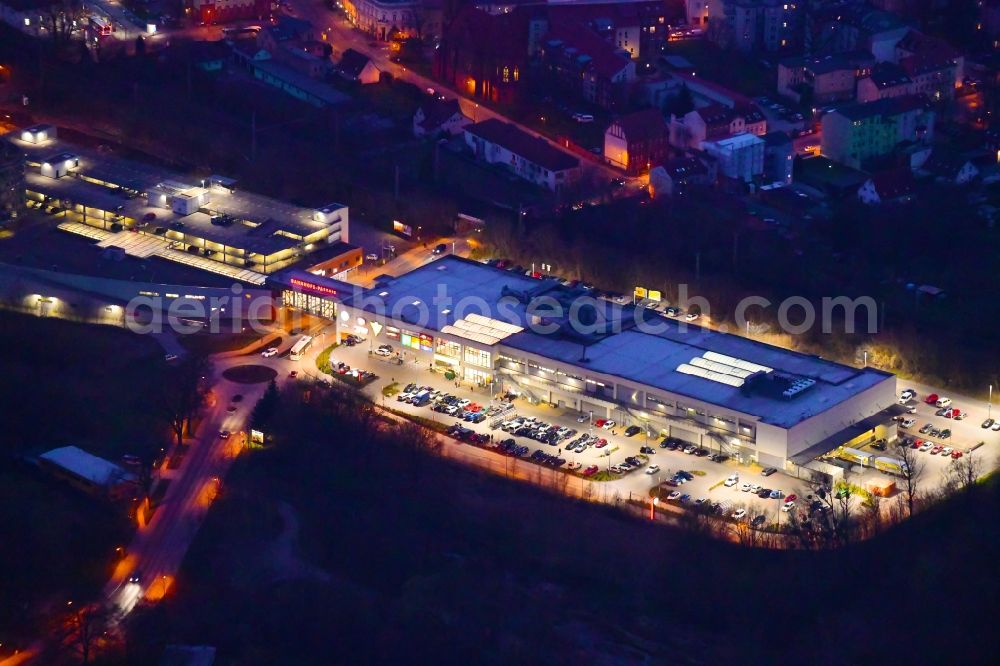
<point>557,345</point>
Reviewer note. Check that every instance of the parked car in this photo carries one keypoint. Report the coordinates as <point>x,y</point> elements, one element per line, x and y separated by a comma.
<point>632,431</point>
<point>732,480</point>
<point>931,399</point>
<point>768,471</point>
<point>269,352</point>
<point>908,422</point>
<point>652,469</point>
<point>739,514</point>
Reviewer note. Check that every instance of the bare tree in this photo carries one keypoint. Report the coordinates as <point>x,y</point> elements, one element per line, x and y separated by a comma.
<point>911,473</point>
<point>183,393</point>
<point>964,473</point>
<point>59,17</point>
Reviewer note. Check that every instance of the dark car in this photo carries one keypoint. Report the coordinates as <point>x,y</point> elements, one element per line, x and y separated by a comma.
<point>758,521</point>
<point>632,431</point>
<point>440,248</point>
<point>764,493</point>
<point>768,471</point>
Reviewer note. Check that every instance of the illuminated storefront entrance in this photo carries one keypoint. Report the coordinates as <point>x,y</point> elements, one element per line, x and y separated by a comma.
<point>317,305</point>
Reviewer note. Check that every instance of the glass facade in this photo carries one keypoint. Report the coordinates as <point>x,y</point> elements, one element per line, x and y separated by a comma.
<point>477,357</point>
<point>317,305</point>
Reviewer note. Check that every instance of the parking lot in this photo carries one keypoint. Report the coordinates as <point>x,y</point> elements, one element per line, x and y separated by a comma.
<point>707,475</point>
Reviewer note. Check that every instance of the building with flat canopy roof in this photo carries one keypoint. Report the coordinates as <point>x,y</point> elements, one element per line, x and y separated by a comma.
<point>560,345</point>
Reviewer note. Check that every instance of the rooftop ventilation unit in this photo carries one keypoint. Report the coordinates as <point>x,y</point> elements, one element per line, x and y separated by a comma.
<point>798,386</point>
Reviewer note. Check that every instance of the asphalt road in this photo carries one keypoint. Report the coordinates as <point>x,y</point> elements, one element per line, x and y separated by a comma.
<point>342,36</point>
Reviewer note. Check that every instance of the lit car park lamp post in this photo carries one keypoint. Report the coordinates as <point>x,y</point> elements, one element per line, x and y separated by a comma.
<point>652,507</point>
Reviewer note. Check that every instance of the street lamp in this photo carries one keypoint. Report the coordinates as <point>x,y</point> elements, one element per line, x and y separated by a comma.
<point>989,404</point>
<point>652,507</point>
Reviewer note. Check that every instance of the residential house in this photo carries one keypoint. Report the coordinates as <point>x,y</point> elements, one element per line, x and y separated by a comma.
<point>638,27</point>
<point>933,51</point>
<point>292,43</point>
<point>637,141</point>
<point>951,168</point>
<point>484,55</point>
<point>674,177</point>
<point>579,62</point>
<point>528,157</point>
<point>739,157</point>
<point>436,116</point>
<point>759,25</point>
<point>855,133</point>
<point>895,185</point>
<point>395,19</point>
<point>934,74</point>
<point>779,157</point>
<point>823,79</point>
<point>715,121</point>
<point>698,13</point>
<point>355,66</point>
<point>841,27</point>
<point>886,79</point>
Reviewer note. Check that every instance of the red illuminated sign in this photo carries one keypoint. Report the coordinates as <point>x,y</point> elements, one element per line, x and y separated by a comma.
<point>315,288</point>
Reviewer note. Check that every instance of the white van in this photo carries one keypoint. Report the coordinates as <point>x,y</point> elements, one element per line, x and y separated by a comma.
<point>908,422</point>
<point>943,402</point>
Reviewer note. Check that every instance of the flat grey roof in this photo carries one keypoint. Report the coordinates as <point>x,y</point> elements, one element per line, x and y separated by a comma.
<point>647,358</point>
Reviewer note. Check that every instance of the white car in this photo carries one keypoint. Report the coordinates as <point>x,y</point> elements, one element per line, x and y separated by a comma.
<point>691,316</point>
<point>746,487</point>
<point>906,396</point>
<point>732,481</point>
<point>690,448</point>
<point>382,351</point>
<point>269,352</point>
<point>608,425</point>
<point>926,447</point>
<point>996,426</point>
<point>911,409</point>
<point>673,495</point>
<point>908,422</point>
<point>788,507</point>
<point>574,465</point>
<point>652,469</point>
<point>739,514</point>
<point>755,487</point>
<point>583,418</point>
<point>946,451</point>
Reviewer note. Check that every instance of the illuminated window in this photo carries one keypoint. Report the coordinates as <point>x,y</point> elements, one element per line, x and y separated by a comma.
<point>506,74</point>
<point>477,357</point>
